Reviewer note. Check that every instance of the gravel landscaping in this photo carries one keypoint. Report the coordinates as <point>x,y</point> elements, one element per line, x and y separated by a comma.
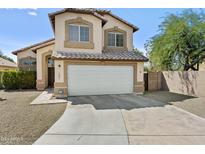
<point>191,104</point>
<point>22,123</point>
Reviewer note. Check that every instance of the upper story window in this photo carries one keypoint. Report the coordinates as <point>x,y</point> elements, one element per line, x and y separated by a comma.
<point>115,39</point>
<point>78,33</point>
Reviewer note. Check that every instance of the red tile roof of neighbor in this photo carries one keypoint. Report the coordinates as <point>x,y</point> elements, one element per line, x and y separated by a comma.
<point>114,55</point>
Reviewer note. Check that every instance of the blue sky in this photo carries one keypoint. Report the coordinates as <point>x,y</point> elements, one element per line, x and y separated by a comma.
<point>22,27</point>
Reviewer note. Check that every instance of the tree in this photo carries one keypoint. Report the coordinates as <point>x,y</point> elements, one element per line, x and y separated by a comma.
<point>180,43</point>
<point>5,57</point>
<point>138,51</point>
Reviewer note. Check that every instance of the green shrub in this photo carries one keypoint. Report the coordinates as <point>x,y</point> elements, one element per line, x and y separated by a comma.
<point>27,79</point>
<point>19,80</point>
<point>1,76</point>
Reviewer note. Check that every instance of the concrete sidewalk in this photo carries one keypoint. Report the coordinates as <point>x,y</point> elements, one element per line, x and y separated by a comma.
<point>46,97</point>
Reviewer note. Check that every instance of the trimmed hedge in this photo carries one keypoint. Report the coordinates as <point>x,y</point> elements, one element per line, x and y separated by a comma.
<point>18,80</point>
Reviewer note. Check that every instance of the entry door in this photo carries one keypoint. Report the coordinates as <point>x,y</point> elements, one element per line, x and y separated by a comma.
<point>50,76</point>
<point>99,80</point>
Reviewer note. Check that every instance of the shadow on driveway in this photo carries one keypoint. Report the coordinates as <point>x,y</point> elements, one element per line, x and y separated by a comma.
<point>167,97</point>
<point>122,101</point>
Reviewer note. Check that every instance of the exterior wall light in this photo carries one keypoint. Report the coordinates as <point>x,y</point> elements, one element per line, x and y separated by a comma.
<point>60,91</point>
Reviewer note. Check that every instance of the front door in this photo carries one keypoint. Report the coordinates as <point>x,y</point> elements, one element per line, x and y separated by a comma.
<point>50,73</point>
<point>50,77</point>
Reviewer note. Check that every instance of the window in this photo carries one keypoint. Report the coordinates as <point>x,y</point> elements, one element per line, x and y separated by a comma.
<point>115,39</point>
<point>73,33</point>
<point>84,34</point>
<point>50,62</point>
<point>111,39</point>
<point>78,33</point>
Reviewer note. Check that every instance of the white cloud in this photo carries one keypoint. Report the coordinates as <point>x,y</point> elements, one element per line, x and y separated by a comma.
<point>32,13</point>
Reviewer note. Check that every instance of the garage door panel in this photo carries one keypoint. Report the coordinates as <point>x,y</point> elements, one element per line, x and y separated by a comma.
<point>98,80</point>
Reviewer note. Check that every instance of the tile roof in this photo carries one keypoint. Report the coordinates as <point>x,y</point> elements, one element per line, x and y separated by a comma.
<point>114,55</point>
<point>35,46</point>
<point>91,11</point>
<point>4,62</point>
<point>96,12</point>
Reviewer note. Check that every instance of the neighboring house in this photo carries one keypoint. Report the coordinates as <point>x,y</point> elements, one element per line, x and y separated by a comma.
<point>92,54</point>
<point>7,65</point>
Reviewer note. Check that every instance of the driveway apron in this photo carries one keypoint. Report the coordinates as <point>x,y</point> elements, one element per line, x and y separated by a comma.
<point>82,124</point>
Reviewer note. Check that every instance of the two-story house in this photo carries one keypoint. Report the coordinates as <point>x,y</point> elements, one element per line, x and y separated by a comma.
<point>91,54</point>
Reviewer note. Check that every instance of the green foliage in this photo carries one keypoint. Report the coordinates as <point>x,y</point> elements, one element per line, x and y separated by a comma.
<point>147,68</point>
<point>138,51</point>
<point>180,43</point>
<point>5,57</point>
<point>18,80</point>
<point>1,76</point>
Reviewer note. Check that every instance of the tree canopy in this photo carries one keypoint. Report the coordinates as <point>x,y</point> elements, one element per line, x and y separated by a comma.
<point>138,51</point>
<point>180,43</point>
<point>5,57</point>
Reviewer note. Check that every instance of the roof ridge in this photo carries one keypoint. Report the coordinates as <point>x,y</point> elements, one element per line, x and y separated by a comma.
<point>96,12</point>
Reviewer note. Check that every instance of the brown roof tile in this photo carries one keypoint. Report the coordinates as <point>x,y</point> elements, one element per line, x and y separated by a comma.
<point>117,55</point>
<point>34,46</point>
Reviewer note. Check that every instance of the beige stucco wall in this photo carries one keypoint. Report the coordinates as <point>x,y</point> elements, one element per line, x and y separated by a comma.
<point>60,32</point>
<point>98,31</point>
<point>140,72</point>
<point>59,71</point>
<point>111,22</point>
<point>188,83</point>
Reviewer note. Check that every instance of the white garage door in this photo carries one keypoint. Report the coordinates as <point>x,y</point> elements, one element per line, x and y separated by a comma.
<point>99,80</point>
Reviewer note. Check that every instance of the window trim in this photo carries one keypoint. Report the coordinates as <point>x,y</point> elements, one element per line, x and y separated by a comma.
<point>78,44</point>
<point>115,39</point>
<point>115,48</point>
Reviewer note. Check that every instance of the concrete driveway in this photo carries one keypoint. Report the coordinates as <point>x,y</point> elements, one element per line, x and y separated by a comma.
<point>124,119</point>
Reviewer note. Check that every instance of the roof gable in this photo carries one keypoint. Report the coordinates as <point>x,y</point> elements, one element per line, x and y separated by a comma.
<point>75,10</point>
<point>135,28</point>
<point>95,12</point>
